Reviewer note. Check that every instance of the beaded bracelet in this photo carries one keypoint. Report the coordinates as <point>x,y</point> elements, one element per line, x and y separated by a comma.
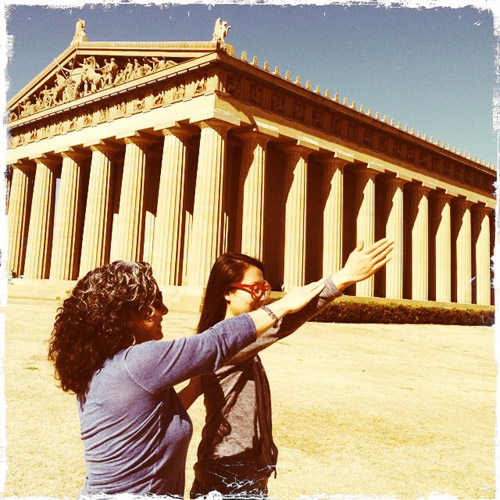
<point>268,311</point>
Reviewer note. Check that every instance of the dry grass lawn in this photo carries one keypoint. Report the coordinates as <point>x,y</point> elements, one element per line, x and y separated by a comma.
<point>387,410</point>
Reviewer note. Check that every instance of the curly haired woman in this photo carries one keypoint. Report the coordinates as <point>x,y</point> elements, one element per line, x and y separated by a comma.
<point>237,454</point>
<point>105,348</point>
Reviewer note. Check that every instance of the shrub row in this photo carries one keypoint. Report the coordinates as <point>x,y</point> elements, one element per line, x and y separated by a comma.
<point>344,311</point>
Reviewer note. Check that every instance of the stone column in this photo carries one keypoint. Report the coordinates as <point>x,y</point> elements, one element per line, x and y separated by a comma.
<point>253,162</point>
<point>97,226</point>
<point>169,224</point>
<point>206,242</point>
<point>333,213</point>
<point>442,268</point>
<point>39,246</point>
<point>365,221</point>
<point>130,234</point>
<point>18,215</point>
<point>394,231</point>
<point>68,220</point>
<point>464,251</point>
<point>295,216</point>
<point>419,215</point>
<point>483,257</point>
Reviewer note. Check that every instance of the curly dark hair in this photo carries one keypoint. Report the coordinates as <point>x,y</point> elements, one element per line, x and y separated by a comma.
<point>94,322</point>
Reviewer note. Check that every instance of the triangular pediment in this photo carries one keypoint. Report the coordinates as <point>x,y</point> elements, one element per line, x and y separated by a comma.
<point>92,67</point>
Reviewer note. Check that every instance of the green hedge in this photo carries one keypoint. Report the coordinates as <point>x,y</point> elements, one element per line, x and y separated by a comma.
<point>376,312</point>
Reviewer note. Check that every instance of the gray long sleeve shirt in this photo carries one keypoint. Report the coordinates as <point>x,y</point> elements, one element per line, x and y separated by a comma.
<point>134,427</point>
<point>238,427</point>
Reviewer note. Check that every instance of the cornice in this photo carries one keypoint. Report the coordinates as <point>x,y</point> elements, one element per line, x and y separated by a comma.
<point>352,112</point>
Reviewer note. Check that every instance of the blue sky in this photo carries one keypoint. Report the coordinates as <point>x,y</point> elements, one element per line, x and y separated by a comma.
<point>432,69</point>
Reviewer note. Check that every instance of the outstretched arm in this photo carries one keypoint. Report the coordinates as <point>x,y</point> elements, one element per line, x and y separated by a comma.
<point>361,264</point>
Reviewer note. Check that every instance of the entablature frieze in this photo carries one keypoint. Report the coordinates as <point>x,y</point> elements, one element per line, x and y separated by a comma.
<point>353,128</point>
<point>397,153</point>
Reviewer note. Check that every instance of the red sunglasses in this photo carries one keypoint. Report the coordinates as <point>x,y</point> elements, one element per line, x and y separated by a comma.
<point>258,291</point>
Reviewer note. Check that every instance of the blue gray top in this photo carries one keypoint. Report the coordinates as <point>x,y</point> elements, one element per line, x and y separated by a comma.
<point>134,428</point>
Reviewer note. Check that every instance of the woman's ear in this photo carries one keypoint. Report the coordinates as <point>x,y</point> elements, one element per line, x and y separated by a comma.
<point>227,296</point>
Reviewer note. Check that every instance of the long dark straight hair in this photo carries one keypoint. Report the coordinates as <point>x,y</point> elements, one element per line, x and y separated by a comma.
<point>229,268</point>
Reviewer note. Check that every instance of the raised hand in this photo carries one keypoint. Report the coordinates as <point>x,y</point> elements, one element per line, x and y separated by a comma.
<point>363,262</point>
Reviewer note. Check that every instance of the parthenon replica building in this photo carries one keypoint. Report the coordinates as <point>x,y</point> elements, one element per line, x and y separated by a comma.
<point>174,152</point>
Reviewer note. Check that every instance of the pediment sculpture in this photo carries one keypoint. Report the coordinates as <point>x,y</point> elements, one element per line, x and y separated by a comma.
<point>91,74</point>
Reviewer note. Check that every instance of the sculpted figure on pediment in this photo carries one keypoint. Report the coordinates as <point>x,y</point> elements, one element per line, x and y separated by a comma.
<point>109,73</point>
<point>46,97</point>
<point>138,70</point>
<point>128,71</point>
<point>89,76</point>
<point>28,108</point>
<point>59,88</point>
<point>159,64</point>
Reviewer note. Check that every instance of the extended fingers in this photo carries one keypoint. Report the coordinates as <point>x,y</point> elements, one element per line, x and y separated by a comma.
<point>378,246</point>
<point>381,263</point>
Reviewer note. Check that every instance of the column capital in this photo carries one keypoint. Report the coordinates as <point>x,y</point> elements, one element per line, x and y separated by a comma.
<point>393,179</point>
<point>139,140</point>
<point>439,194</point>
<point>178,131</point>
<point>481,208</point>
<point>462,202</point>
<point>48,160</point>
<point>219,126</point>
<point>332,159</point>
<point>75,154</point>
<point>253,134</point>
<point>418,187</point>
<point>137,137</point>
<point>294,148</point>
<point>362,169</point>
<point>25,166</point>
<point>108,148</point>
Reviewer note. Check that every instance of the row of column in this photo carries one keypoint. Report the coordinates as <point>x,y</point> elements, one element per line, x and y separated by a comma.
<point>207,233</point>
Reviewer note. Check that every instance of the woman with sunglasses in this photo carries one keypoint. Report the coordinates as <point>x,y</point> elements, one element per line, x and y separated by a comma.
<point>237,455</point>
<point>105,347</point>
